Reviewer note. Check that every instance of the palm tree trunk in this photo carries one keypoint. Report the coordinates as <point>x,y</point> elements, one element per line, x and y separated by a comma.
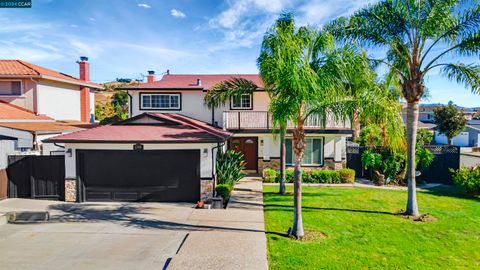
<point>282,161</point>
<point>450,141</point>
<point>299,149</point>
<point>412,122</point>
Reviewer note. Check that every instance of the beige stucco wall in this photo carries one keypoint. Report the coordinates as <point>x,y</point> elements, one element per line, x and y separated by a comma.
<point>26,100</point>
<point>273,142</point>
<point>60,101</point>
<point>193,106</point>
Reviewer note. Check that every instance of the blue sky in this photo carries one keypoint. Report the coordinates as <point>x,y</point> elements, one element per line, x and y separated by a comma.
<point>127,38</point>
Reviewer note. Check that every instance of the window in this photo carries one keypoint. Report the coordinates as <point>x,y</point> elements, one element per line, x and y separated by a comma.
<point>10,88</point>
<point>242,102</point>
<point>160,101</point>
<point>313,152</point>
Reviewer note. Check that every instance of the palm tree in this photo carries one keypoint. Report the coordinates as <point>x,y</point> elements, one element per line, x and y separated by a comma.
<point>285,64</point>
<point>419,35</point>
<point>306,75</point>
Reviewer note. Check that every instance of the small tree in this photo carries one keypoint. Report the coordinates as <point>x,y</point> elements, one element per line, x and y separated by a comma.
<point>449,121</point>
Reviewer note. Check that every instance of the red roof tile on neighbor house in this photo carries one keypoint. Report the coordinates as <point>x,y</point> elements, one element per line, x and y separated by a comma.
<point>185,130</point>
<point>12,112</point>
<point>14,68</point>
<point>189,81</point>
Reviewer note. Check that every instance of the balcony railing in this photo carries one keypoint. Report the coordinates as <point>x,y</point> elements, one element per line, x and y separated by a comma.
<point>255,120</point>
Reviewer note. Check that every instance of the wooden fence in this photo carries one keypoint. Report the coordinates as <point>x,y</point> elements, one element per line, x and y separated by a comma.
<point>445,157</point>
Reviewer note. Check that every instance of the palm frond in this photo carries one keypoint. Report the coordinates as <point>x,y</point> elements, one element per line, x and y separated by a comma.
<point>468,75</point>
<point>222,92</point>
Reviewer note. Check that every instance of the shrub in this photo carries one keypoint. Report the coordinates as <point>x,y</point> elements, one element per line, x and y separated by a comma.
<point>423,158</point>
<point>224,190</point>
<point>269,175</point>
<point>288,176</point>
<point>324,177</point>
<point>229,167</point>
<point>468,179</point>
<point>347,175</point>
<point>371,160</point>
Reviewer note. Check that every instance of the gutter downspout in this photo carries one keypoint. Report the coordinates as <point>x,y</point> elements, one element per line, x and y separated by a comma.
<point>35,96</point>
<point>59,146</point>
<point>129,104</point>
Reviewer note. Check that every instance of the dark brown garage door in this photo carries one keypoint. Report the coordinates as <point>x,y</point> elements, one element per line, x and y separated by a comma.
<point>146,175</point>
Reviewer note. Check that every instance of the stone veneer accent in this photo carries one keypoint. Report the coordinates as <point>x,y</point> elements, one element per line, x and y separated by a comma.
<point>206,190</point>
<point>273,163</point>
<point>335,165</point>
<point>71,190</point>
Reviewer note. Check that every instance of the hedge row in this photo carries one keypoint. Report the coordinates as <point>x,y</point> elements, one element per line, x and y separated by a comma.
<point>313,176</point>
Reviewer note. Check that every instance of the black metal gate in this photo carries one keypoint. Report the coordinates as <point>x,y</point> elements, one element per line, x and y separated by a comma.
<point>36,177</point>
<point>139,175</point>
<point>445,158</point>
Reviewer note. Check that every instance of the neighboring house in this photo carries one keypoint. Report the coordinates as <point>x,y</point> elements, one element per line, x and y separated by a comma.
<point>426,112</point>
<point>49,92</point>
<point>470,137</point>
<point>166,150</point>
<point>22,131</point>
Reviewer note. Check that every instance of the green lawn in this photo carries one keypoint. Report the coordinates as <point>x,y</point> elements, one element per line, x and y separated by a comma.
<point>363,232</point>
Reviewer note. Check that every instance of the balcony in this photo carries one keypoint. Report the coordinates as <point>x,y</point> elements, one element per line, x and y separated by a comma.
<point>261,120</point>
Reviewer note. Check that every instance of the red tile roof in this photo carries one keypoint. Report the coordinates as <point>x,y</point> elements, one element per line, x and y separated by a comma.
<point>11,112</point>
<point>175,129</point>
<point>189,81</point>
<point>42,127</point>
<point>13,68</point>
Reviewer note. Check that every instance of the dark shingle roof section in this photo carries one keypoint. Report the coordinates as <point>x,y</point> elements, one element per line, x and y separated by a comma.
<point>190,81</point>
<point>168,128</point>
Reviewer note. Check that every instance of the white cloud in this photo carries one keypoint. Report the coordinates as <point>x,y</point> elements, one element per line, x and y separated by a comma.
<point>13,50</point>
<point>90,49</point>
<point>241,9</point>
<point>321,11</point>
<point>92,19</point>
<point>143,5</point>
<point>177,13</point>
<point>9,26</point>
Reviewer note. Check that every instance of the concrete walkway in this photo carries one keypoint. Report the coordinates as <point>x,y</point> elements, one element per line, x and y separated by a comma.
<point>237,236</point>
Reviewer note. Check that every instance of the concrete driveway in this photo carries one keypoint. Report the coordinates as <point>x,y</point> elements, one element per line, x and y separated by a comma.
<point>94,235</point>
<point>138,235</point>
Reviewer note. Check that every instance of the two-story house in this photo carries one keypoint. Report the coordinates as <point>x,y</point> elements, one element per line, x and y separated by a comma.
<point>37,103</point>
<point>172,137</point>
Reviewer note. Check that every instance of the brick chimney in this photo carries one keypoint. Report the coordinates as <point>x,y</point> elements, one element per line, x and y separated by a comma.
<point>151,76</point>
<point>84,91</point>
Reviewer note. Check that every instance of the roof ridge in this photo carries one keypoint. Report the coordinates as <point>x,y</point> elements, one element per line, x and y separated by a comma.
<point>210,74</point>
<point>26,64</point>
<point>192,122</point>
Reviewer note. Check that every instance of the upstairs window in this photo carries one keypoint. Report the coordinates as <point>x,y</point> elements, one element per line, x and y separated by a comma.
<point>241,102</point>
<point>10,88</point>
<point>160,101</point>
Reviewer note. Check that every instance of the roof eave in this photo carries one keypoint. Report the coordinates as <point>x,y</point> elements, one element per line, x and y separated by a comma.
<point>131,141</point>
<point>80,83</point>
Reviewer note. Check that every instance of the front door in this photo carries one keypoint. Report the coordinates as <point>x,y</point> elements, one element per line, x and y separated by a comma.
<point>247,146</point>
